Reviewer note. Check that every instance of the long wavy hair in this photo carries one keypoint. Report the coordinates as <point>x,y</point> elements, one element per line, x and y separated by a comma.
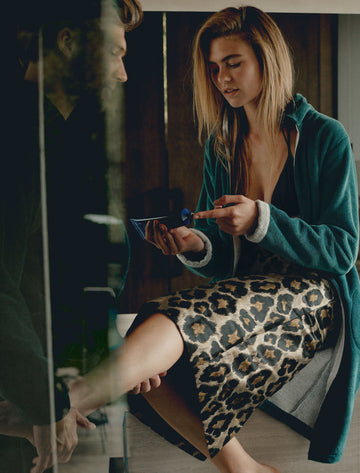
<point>227,125</point>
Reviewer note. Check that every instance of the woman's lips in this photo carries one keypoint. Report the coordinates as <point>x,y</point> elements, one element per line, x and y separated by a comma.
<point>230,92</point>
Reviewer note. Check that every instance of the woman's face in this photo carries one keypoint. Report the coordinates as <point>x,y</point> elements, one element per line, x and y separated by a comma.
<point>235,70</point>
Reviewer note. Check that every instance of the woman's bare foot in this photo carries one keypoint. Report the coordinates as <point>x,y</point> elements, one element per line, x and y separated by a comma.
<point>269,469</point>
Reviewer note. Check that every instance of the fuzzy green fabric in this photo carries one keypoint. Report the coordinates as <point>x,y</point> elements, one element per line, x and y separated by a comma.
<point>325,237</point>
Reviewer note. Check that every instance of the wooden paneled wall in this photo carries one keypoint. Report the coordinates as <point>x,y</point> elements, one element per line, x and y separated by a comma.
<point>164,160</point>
<point>312,39</point>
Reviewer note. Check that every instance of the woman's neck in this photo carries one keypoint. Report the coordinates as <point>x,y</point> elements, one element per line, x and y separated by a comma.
<point>256,129</point>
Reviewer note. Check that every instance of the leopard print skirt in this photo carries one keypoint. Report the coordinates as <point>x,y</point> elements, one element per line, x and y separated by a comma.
<point>248,336</point>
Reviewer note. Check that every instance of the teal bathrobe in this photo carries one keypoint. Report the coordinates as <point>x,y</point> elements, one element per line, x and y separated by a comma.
<point>319,401</point>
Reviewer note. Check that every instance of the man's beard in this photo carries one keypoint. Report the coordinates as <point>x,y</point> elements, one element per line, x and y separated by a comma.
<point>83,77</point>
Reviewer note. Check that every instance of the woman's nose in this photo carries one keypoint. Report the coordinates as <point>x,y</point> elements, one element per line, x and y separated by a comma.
<point>224,75</point>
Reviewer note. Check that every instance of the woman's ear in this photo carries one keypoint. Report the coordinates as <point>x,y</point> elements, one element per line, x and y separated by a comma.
<point>66,41</point>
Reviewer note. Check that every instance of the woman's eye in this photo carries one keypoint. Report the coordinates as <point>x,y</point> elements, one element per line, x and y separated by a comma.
<point>214,71</point>
<point>237,64</point>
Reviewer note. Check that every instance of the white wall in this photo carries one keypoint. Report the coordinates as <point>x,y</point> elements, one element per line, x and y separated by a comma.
<point>349,78</point>
<point>302,6</point>
<point>349,81</point>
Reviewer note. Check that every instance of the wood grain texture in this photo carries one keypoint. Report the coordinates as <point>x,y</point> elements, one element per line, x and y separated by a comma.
<point>146,157</point>
<point>266,439</point>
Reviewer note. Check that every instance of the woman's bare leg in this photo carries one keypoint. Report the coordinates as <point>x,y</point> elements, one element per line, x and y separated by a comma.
<point>232,458</point>
<point>153,347</point>
<point>171,406</point>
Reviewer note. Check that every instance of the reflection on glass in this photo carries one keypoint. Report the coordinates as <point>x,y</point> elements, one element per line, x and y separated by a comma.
<point>82,116</point>
<point>65,168</point>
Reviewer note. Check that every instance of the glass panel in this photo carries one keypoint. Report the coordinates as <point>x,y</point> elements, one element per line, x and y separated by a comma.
<point>64,254</point>
<point>64,245</point>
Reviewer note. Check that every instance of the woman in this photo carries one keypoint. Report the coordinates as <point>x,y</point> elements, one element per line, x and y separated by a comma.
<point>277,231</point>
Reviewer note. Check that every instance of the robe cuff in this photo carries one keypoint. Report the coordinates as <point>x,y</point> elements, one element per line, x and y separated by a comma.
<point>262,223</point>
<point>195,263</point>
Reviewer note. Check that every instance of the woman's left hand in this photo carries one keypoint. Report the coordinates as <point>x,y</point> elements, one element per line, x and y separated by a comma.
<point>235,214</point>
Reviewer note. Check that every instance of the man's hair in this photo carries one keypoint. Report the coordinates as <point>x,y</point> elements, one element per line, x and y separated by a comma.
<point>131,13</point>
<point>49,17</point>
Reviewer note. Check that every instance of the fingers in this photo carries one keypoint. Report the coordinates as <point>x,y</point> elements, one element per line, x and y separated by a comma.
<point>155,382</point>
<point>154,235</point>
<point>145,386</point>
<point>218,212</point>
<point>226,226</point>
<point>228,200</point>
<point>64,453</point>
<point>236,215</point>
<point>66,447</point>
<point>66,440</point>
<point>41,464</point>
<point>222,207</point>
<point>66,435</point>
<point>43,444</point>
<point>136,389</point>
<point>174,241</point>
<point>149,384</point>
<point>170,241</point>
<point>164,240</point>
<point>149,232</point>
<point>84,422</point>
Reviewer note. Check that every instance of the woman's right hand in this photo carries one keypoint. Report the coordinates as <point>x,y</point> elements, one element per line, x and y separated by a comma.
<point>148,384</point>
<point>174,241</point>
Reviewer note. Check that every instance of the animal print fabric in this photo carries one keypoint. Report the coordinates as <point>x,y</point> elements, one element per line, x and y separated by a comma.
<point>248,336</point>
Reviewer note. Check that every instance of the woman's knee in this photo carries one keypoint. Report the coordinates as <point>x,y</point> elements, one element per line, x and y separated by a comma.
<point>159,336</point>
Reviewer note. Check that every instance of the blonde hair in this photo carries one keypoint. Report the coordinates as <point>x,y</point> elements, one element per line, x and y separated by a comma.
<point>215,116</point>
